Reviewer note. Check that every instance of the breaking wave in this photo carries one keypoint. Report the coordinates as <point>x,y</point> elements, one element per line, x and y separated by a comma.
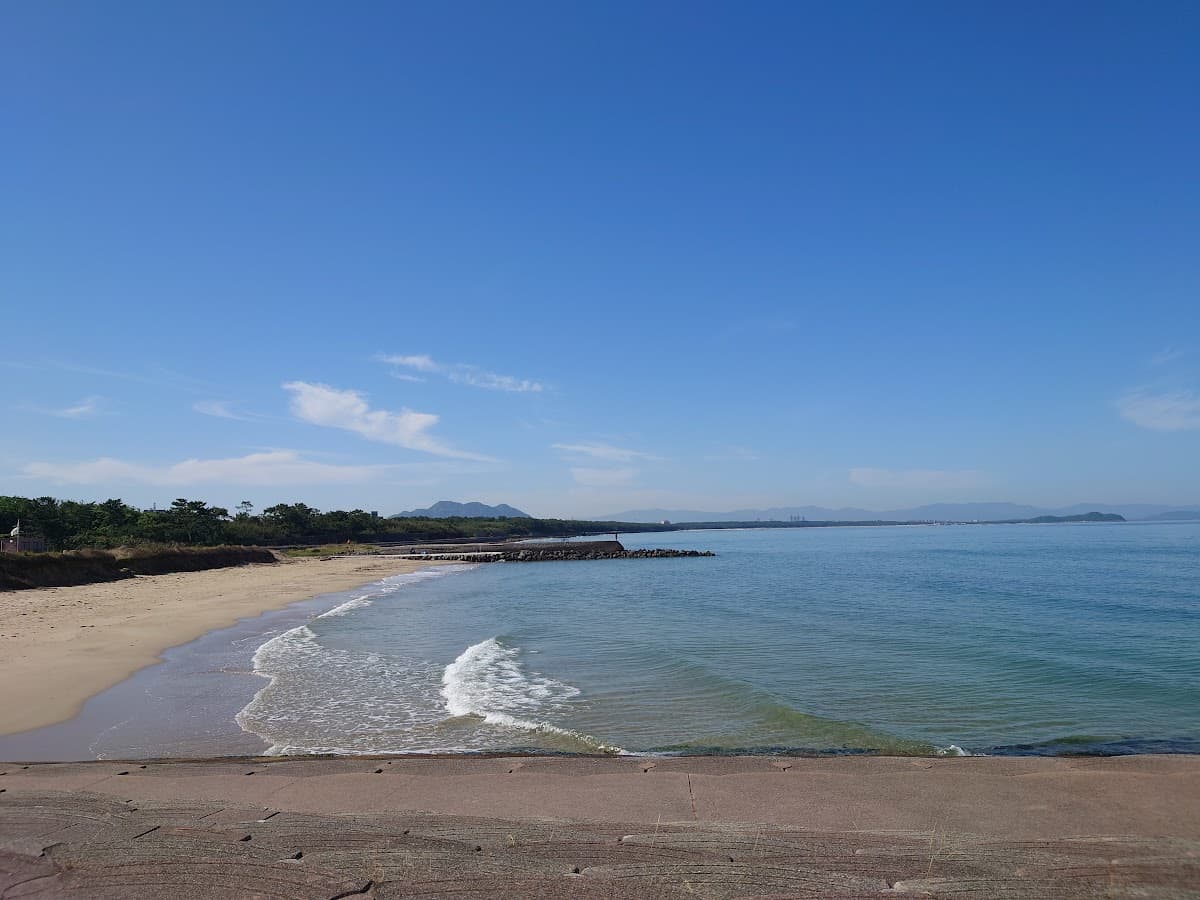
<point>390,585</point>
<point>488,681</point>
<point>320,699</point>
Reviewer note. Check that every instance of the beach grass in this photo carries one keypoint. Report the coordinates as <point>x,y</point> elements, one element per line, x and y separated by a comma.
<point>330,550</point>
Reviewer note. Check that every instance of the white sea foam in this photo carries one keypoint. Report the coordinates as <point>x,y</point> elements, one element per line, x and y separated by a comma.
<point>298,640</point>
<point>317,693</point>
<point>390,585</point>
<point>355,603</point>
<point>487,681</point>
<point>953,750</point>
<point>323,699</point>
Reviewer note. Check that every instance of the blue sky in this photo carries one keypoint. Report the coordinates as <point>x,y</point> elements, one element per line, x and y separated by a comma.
<point>581,258</point>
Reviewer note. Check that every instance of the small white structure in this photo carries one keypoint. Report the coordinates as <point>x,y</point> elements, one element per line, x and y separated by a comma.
<point>19,542</point>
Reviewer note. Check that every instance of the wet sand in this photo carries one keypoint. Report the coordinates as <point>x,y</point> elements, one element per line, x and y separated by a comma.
<point>61,646</point>
<point>604,827</point>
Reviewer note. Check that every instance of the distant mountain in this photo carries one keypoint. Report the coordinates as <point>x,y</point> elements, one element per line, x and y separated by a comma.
<point>941,512</point>
<point>937,511</point>
<point>445,509</point>
<point>774,514</point>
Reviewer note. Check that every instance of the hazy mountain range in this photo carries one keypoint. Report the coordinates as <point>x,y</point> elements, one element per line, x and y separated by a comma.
<point>958,512</point>
<point>445,509</point>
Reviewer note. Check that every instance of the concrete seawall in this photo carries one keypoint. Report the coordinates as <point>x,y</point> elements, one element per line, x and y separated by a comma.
<point>630,827</point>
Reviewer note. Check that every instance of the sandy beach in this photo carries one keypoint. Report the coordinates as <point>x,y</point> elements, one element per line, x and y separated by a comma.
<point>60,646</point>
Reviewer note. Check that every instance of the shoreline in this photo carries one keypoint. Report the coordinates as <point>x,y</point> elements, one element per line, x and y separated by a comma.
<point>60,647</point>
<point>144,613</point>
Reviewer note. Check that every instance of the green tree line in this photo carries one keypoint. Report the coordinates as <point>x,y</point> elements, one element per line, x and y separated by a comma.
<point>70,525</point>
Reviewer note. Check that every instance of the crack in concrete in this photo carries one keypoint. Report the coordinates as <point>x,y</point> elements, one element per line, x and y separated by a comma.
<point>355,893</point>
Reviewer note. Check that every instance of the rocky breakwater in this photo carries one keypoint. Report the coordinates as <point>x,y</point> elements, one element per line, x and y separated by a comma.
<point>548,554</point>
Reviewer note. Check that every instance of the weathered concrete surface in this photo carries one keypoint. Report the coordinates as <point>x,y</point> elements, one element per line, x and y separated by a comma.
<point>602,827</point>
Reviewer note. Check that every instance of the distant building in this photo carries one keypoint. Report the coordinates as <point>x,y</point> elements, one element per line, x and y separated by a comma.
<point>20,542</point>
<point>665,522</point>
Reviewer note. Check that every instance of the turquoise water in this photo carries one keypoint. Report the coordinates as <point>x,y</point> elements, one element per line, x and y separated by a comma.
<point>993,639</point>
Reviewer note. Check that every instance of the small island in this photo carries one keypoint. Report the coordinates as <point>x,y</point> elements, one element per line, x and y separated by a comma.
<point>1062,520</point>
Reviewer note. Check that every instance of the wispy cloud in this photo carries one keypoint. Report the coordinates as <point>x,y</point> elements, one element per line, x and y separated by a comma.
<point>85,408</point>
<point>275,467</point>
<point>320,404</point>
<point>158,376</point>
<point>420,362</point>
<point>605,451</point>
<point>218,408</point>
<point>462,373</point>
<point>1161,411</point>
<point>734,454</point>
<point>596,476</point>
<point>592,477</point>
<point>1166,355</point>
<point>915,478</point>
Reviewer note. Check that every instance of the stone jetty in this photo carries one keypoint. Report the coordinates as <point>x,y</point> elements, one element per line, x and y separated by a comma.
<point>537,552</point>
<point>567,551</point>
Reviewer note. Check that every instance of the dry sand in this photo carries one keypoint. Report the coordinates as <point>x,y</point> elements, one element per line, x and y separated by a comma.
<point>60,646</point>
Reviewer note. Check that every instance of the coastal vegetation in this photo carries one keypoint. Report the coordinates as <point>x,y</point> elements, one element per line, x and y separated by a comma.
<point>71,525</point>
<point>75,525</point>
<point>316,551</point>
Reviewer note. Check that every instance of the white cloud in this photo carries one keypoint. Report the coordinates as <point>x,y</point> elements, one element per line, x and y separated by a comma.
<point>590,477</point>
<point>218,408</point>
<point>604,451</point>
<point>915,478</point>
<point>404,376</point>
<point>274,467</point>
<point>421,362</point>
<point>493,382</point>
<point>1171,411</point>
<point>462,373</point>
<point>320,404</point>
<point>85,408</point>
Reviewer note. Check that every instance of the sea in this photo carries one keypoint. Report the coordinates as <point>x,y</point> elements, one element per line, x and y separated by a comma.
<point>924,640</point>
